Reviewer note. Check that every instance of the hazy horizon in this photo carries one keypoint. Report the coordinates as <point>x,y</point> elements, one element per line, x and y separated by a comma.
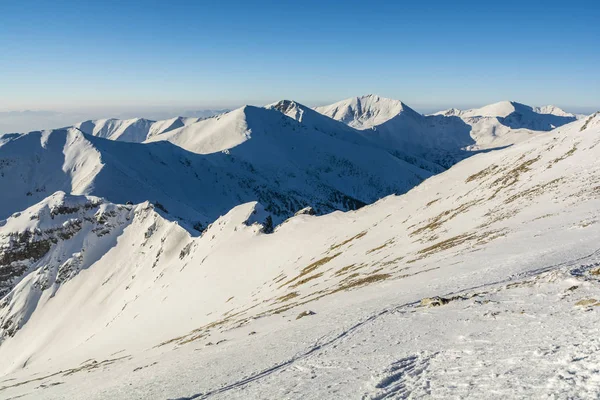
<point>119,56</point>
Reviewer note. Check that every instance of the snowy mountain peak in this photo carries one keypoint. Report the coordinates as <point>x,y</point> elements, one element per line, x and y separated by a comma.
<point>366,111</point>
<point>504,109</point>
<point>554,110</point>
<point>500,109</point>
<point>284,106</point>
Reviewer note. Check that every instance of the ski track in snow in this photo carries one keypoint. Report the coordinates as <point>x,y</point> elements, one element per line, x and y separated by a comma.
<point>393,383</point>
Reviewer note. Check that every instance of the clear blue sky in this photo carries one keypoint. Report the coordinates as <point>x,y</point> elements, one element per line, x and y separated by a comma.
<point>85,54</point>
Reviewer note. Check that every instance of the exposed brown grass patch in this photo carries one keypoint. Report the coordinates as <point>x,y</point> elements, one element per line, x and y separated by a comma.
<point>534,191</point>
<point>587,303</point>
<point>310,268</point>
<point>564,156</point>
<point>482,174</point>
<point>356,283</point>
<point>347,269</point>
<point>444,217</point>
<point>357,236</point>
<point>454,241</point>
<point>585,125</point>
<point>286,297</point>
<point>432,202</point>
<point>543,217</point>
<point>306,280</point>
<point>380,247</point>
<point>512,176</point>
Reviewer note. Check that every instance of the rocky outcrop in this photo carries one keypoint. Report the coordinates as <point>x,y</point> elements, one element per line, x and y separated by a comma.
<point>27,241</point>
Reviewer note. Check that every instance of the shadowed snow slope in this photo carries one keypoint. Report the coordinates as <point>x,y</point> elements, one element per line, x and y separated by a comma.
<point>507,240</point>
<point>266,156</point>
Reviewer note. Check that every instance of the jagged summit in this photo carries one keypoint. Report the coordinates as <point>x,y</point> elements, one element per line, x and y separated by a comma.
<point>291,108</point>
<point>285,106</point>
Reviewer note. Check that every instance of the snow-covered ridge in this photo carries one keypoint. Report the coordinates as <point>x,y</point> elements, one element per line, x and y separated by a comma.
<point>516,116</point>
<point>432,142</point>
<point>503,109</point>
<point>134,130</point>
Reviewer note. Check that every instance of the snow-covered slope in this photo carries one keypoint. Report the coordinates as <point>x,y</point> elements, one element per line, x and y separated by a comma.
<point>256,154</point>
<point>167,125</point>
<point>448,136</point>
<point>336,306</point>
<point>211,135</point>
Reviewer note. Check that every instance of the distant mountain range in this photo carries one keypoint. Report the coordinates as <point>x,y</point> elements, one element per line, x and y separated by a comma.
<point>448,136</point>
<point>285,155</point>
<point>29,120</point>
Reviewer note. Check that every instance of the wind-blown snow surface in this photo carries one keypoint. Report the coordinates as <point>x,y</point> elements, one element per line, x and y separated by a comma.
<point>255,153</point>
<point>334,306</point>
<point>448,136</point>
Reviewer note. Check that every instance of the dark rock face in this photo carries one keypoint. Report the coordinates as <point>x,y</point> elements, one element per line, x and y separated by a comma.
<point>268,225</point>
<point>30,251</point>
<point>24,247</point>
<point>284,106</point>
<point>306,211</point>
<point>21,249</point>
